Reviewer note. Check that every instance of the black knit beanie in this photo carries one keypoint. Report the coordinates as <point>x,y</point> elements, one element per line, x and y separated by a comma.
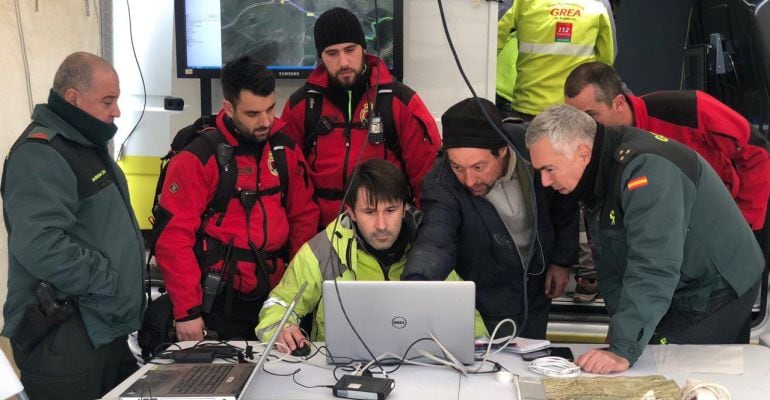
<point>464,125</point>
<point>335,26</point>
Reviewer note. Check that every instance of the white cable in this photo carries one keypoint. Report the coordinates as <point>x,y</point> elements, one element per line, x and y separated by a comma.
<point>282,357</point>
<point>450,356</point>
<point>506,340</point>
<point>697,390</point>
<point>449,363</point>
<point>554,367</point>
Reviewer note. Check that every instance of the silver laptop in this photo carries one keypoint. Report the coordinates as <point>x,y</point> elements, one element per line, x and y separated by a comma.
<point>204,381</point>
<point>391,316</point>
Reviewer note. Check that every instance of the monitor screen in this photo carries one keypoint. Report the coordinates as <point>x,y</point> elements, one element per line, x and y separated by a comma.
<point>278,33</point>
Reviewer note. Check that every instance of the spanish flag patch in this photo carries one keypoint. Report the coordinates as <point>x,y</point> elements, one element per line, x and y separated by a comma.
<point>636,183</point>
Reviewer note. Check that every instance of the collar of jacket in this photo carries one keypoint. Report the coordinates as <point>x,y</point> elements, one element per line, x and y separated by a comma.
<point>379,70</point>
<point>638,110</point>
<point>593,184</point>
<point>344,236</point>
<point>73,123</point>
<point>228,129</point>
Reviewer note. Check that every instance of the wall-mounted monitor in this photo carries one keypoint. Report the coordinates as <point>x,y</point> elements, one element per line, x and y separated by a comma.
<point>278,33</point>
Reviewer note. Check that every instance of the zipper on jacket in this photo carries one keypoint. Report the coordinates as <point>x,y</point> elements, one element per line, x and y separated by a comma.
<point>385,270</point>
<point>346,134</point>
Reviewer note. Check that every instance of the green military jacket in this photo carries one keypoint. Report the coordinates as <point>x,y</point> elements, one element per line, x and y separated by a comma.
<point>70,223</point>
<point>666,234</point>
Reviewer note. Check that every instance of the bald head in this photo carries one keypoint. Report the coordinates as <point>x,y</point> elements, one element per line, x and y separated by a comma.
<point>89,83</point>
<point>77,70</point>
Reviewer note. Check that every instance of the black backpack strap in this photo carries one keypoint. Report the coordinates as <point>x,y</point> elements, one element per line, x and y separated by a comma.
<point>228,172</point>
<point>278,143</point>
<point>313,108</point>
<point>385,110</point>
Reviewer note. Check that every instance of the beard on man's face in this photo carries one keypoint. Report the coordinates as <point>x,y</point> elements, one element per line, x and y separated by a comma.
<point>255,135</point>
<point>347,77</point>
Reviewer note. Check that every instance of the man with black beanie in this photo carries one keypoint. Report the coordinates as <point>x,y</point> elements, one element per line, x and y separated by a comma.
<point>330,116</point>
<point>488,217</point>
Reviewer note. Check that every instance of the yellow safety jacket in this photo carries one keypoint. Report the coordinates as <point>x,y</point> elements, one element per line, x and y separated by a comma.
<point>306,267</point>
<point>555,36</point>
<point>506,68</point>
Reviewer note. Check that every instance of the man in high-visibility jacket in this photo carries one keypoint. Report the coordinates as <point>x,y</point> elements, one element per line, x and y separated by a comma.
<point>554,37</point>
<point>370,241</point>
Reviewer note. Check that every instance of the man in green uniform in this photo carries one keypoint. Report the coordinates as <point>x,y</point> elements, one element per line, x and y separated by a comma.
<point>675,257</point>
<point>73,238</point>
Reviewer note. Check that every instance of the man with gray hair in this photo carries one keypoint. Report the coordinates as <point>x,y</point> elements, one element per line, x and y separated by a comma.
<point>676,260</point>
<point>74,247</point>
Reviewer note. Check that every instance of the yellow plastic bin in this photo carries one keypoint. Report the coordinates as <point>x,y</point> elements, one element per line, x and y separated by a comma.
<point>142,174</point>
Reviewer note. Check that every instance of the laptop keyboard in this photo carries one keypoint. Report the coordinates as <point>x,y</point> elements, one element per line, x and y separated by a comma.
<point>202,379</point>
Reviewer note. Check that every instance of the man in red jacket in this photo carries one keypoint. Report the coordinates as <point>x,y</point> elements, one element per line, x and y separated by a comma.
<point>330,116</point>
<point>219,266</point>
<point>718,133</point>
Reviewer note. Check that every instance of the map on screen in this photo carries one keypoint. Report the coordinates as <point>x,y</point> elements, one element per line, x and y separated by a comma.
<point>279,33</point>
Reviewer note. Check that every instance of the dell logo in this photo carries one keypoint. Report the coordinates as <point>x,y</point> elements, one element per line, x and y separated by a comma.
<point>398,322</point>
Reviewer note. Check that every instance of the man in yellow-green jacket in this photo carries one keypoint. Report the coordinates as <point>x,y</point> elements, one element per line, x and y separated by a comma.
<point>554,36</point>
<point>369,242</point>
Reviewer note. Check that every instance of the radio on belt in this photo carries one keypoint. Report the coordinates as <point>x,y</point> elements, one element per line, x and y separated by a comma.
<point>363,387</point>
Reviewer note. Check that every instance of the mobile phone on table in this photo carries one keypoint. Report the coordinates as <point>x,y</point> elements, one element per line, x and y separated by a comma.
<point>533,355</point>
<point>563,352</point>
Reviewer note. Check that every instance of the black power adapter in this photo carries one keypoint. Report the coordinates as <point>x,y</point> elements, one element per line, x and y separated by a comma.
<point>363,387</point>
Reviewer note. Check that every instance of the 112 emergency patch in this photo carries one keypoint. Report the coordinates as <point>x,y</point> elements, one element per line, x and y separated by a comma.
<point>563,32</point>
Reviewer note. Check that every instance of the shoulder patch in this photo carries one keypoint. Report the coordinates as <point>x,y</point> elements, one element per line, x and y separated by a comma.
<point>39,132</point>
<point>625,154</point>
<point>39,136</point>
<point>638,182</point>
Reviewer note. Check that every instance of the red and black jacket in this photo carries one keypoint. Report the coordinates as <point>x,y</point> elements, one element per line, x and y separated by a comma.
<point>720,135</point>
<point>184,251</point>
<point>333,154</point>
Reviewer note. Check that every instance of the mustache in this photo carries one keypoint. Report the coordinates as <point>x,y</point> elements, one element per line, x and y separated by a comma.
<point>346,70</point>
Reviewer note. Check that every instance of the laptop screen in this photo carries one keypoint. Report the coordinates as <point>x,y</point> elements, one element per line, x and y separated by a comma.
<point>220,381</point>
<point>390,316</point>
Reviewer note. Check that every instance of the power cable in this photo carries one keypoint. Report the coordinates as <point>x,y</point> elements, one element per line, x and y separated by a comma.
<point>24,57</point>
<point>122,148</point>
<point>533,240</point>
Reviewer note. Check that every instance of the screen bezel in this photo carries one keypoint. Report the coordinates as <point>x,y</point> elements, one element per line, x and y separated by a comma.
<point>283,72</point>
